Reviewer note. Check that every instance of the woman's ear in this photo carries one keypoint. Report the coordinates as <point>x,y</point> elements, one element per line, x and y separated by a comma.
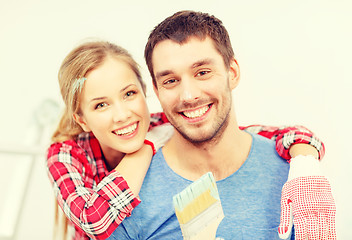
<point>234,74</point>
<point>81,121</point>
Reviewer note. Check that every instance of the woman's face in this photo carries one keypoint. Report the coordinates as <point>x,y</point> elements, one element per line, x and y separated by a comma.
<point>113,107</point>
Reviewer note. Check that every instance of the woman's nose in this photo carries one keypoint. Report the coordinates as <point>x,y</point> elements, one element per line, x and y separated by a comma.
<point>121,112</point>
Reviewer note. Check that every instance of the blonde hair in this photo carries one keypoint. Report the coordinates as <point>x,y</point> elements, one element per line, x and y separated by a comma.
<point>77,64</point>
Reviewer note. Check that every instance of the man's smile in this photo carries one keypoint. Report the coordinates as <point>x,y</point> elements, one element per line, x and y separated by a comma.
<point>196,113</point>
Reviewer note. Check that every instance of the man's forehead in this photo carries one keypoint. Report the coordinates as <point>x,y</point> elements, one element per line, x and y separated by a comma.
<point>189,40</point>
<point>169,53</point>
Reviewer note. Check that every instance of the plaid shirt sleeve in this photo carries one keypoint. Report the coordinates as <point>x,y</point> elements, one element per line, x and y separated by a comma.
<point>287,136</point>
<point>157,119</point>
<point>98,212</point>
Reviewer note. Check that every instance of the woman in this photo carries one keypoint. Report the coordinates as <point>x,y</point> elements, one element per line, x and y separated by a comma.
<point>99,155</point>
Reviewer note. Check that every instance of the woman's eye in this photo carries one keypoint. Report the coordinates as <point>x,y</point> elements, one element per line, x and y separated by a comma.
<point>130,94</point>
<point>100,105</point>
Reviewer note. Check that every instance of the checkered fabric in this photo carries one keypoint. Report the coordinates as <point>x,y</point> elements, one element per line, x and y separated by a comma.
<point>96,201</point>
<point>287,136</point>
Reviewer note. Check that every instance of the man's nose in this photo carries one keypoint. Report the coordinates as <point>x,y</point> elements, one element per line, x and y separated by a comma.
<point>190,91</point>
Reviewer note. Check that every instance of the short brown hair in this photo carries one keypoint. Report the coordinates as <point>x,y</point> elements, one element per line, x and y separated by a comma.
<point>185,24</point>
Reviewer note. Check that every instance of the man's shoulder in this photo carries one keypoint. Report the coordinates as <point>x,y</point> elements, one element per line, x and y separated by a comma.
<point>263,151</point>
<point>261,139</point>
<point>264,143</point>
<point>158,163</point>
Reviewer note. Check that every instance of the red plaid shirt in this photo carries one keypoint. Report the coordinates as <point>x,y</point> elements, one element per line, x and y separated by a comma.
<point>97,200</point>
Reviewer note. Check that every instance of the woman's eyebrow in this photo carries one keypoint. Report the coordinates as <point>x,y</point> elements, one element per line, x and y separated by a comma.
<point>129,85</point>
<point>104,97</point>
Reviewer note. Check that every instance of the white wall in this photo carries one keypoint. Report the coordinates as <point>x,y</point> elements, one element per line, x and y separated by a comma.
<point>295,59</point>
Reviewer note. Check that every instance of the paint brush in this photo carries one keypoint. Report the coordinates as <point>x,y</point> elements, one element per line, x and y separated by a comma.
<point>198,209</point>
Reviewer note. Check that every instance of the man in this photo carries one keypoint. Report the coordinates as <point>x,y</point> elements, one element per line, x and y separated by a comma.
<point>191,61</point>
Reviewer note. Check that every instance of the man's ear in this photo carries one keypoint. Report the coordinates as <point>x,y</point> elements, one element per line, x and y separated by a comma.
<point>81,121</point>
<point>234,74</point>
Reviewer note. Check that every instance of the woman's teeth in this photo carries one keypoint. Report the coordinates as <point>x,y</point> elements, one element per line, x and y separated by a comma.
<point>127,130</point>
<point>197,113</point>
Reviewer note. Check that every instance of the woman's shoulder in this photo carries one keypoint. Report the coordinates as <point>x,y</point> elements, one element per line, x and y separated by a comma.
<point>71,146</point>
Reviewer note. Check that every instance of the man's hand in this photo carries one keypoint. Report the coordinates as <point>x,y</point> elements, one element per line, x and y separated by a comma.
<point>307,202</point>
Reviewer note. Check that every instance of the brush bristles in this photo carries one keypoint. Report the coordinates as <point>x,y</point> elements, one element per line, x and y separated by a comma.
<point>196,198</point>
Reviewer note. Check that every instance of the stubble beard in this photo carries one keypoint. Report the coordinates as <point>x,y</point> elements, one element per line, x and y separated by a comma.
<point>214,135</point>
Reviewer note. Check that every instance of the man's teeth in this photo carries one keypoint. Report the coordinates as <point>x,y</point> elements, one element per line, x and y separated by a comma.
<point>126,130</point>
<point>197,113</point>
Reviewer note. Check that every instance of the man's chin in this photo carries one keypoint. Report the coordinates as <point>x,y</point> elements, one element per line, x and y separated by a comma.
<point>196,138</point>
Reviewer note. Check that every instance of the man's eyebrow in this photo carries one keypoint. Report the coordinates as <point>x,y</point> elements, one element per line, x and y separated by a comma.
<point>198,63</point>
<point>163,73</point>
<point>202,62</point>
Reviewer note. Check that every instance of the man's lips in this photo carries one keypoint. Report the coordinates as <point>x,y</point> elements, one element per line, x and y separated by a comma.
<point>196,113</point>
<point>126,130</point>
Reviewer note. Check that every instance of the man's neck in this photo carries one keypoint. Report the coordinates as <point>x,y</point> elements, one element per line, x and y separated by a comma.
<point>222,157</point>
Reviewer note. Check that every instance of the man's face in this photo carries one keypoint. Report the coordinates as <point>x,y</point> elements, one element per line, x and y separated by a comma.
<point>194,87</point>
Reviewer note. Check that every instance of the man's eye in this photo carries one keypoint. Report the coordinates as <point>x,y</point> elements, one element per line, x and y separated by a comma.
<point>100,105</point>
<point>202,73</point>
<point>170,81</point>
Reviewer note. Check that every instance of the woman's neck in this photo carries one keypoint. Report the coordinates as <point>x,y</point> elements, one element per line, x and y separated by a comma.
<point>112,157</point>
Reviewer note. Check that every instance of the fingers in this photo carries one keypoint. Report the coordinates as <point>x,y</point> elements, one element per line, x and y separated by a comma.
<point>314,228</point>
<point>330,219</point>
<point>327,224</point>
<point>316,225</point>
<point>300,228</point>
<point>286,221</point>
<point>331,224</point>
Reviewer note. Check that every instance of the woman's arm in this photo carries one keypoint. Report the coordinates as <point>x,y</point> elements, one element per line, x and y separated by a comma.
<point>96,210</point>
<point>295,140</point>
<point>290,140</point>
<point>307,191</point>
<point>134,166</point>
